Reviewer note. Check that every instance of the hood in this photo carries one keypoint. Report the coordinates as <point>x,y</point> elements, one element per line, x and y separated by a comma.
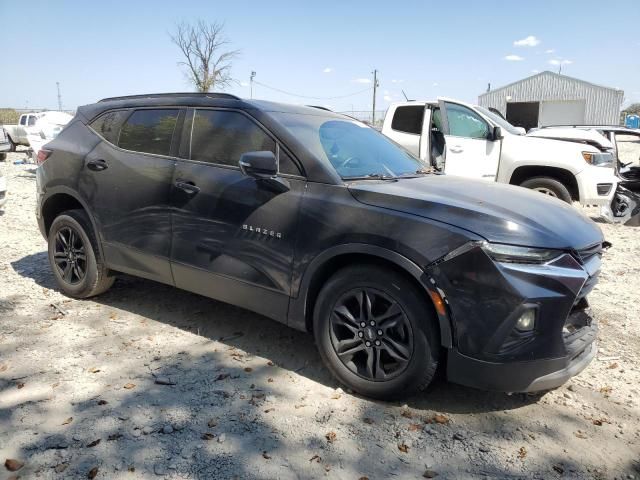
<point>499,213</point>
<point>589,137</point>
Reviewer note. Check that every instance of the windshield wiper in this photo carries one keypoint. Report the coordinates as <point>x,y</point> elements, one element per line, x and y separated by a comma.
<point>372,176</point>
<point>416,174</point>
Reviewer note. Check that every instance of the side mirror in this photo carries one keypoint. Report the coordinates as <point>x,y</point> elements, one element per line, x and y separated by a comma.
<point>263,166</point>
<point>495,134</point>
<point>260,165</point>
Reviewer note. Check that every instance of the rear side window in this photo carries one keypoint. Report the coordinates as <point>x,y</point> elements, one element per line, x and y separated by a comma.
<point>408,119</point>
<point>222,137</point>
<point>149,131</point>
<point>108,125</point>
<point>32,121</point>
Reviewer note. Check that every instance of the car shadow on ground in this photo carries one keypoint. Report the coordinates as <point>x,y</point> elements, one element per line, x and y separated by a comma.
<point>233,326</point>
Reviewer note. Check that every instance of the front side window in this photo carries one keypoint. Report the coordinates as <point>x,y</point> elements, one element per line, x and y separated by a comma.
<point>149,131</point>
<point>464,122</point>
<point>408,119</point>
<point>222,137</point>
<point>23,120</point>
<point>108,125</point>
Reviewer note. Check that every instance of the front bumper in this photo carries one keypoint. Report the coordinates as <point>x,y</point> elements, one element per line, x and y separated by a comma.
<point>529,376</point>
<point>485,299</point>
<point>597,185</point>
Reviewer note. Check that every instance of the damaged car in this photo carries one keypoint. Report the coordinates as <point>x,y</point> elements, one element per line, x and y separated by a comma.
<point>318,221</point>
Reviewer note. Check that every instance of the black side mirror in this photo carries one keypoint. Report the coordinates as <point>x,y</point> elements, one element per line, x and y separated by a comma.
<point>260,165</point>
<point>495,134</point>
<point>263,166</point>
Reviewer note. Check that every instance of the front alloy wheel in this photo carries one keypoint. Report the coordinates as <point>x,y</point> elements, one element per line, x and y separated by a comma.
<point>376,331</point>
<point>371,334</point>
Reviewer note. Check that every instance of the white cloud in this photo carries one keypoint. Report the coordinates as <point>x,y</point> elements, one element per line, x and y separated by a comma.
<point>244,84</point>
<point>535,71</point>
<point>559,61</point>
<point>387,98</point>
<point>361,80</point>
<point>551,50</point>
<point>529,41</point>
<point>397,81</point>
<point>327,70</point>
<point>514,58</point>
<point>435,84</point>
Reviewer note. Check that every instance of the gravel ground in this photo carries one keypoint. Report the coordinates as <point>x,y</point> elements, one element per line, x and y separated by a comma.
<point>149,381</point>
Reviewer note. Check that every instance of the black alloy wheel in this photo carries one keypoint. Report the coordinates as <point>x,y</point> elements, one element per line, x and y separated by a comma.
<point>69,255</point>
<point>376,331</point>
<point>371,334</point>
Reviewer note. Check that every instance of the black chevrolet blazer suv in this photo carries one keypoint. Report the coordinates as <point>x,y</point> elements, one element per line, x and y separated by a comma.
<point>318,221</point>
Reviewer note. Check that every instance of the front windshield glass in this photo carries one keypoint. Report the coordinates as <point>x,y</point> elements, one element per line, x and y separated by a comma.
<point>498,120</point>
<point>352,148</point>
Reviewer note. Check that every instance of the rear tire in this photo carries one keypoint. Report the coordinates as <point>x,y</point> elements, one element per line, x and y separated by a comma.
<point>75,258</point>
<point>548,186</point>
<point>395,363</point>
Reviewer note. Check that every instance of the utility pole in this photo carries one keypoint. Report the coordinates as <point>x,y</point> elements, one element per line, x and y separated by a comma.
<point>253,74</point>
<point>375,86</point>
<point>59,97</point>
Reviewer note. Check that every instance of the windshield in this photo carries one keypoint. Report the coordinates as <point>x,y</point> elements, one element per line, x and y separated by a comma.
<point>352,148</point>
<point>498,120</point>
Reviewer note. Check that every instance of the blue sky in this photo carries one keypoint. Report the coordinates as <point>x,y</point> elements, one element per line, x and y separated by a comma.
<point>323,49</point>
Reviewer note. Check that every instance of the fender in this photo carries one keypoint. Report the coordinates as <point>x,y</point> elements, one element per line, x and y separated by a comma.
<point>63,189</point>
<point>298,306</point>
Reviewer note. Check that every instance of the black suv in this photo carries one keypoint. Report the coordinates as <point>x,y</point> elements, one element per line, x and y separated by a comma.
<point>316,220</point>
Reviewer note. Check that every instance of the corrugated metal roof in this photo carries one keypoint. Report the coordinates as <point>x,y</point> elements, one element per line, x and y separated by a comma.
<point>548,72</point>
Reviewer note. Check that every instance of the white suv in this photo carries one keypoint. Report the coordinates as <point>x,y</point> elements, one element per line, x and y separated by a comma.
<point>471,141</point>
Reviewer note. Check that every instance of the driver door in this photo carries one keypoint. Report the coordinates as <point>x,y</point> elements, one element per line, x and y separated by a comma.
<point>470,148</point>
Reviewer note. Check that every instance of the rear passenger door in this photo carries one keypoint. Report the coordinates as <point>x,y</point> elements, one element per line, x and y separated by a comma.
<point>127,181</point>
<point>233,237</point>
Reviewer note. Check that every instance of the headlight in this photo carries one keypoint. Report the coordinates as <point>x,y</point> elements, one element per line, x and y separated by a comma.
<point>513,254</point>
<point>598,159</point>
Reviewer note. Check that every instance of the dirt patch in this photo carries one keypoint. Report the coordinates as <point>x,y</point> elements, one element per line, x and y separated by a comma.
<point>150,381</point>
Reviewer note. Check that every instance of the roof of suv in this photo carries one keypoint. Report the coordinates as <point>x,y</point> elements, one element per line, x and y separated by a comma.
<point>197,100</point>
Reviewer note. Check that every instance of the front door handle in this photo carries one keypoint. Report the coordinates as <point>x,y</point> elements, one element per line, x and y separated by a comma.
<point>456,149</point>
<point>188,187</point>
<point>97,165</point>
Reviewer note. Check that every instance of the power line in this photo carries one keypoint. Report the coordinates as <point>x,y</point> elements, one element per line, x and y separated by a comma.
<point>310,97</point>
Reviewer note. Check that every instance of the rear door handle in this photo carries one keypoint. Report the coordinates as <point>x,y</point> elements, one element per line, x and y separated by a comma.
<point>188,187</point>
<point>97,165</point>
<point>456,149</point>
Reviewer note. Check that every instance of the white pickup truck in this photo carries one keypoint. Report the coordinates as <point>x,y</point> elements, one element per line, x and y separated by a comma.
<point>18,133</point>
<point>470,141</point>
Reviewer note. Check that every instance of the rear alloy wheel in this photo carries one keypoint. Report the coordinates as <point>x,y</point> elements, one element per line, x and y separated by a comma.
<point>75,258</point>
<point>548,186</point>
<point>375,331</point>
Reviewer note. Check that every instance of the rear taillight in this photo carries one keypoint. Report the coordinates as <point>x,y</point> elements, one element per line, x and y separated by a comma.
<point>42,156</point>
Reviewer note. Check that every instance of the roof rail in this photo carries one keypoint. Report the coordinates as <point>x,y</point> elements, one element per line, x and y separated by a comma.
<point>165,95</point>
<point>320,108</point>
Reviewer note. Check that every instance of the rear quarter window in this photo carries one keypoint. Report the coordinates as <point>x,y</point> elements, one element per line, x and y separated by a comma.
<point>108,125</point>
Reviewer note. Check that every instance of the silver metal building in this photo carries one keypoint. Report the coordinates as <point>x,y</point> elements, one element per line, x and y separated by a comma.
<point>548,98</point>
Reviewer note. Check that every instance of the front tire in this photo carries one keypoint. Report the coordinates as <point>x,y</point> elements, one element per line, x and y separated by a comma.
<point>376,333</point>
<point>548,186</point>
<point>75,258</point>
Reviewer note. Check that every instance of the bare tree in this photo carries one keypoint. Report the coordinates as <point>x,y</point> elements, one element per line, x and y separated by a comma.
<point>203,46</point>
